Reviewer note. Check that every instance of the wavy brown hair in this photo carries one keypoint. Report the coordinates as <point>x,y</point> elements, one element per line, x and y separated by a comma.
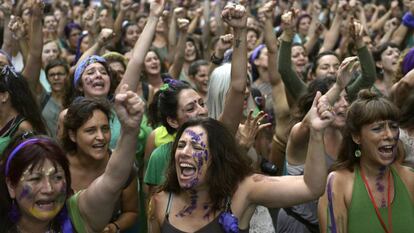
<point>227,168</point>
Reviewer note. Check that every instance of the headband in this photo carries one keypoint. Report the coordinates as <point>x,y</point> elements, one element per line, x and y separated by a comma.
<point>82,66</point>
<point>18,148</point>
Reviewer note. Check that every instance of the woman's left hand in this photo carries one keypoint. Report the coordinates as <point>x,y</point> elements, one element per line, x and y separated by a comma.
<point>129,107</point>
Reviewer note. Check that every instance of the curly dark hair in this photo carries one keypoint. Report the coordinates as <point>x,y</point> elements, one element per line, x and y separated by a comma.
<point>226,162</point>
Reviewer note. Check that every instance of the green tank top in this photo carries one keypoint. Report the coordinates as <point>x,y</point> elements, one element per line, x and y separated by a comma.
<point>361,214</point>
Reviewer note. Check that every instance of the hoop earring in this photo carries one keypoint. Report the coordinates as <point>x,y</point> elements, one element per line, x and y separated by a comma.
<point>357,153</point>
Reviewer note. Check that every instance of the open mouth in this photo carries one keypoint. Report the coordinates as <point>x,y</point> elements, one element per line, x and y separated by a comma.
<point>99,146</point>
<point>45,204</point>
<point>98,85</point>
<point>187,170</point>
<point>387,152</point>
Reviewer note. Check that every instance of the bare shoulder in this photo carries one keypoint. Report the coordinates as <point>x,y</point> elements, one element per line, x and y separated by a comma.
<point>25,126</point>
<point>342,184</point>
<point>157,206</point>
<point>407,176</point>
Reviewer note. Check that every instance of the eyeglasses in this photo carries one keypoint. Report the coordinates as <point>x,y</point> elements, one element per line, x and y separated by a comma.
<point>59,75</point>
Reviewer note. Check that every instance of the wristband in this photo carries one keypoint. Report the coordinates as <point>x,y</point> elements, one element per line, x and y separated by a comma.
<point>215,60</point>
<point>118,229</point>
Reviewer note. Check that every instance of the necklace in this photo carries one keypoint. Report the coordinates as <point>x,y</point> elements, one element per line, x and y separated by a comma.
<point>19,230</point>
<point>371,197</point>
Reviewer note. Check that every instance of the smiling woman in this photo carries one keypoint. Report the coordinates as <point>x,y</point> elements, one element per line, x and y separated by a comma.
<point>86,137</point>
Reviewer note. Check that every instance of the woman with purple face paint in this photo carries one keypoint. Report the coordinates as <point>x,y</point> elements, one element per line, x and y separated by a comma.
<point>35,180</point>
<point>369,190</point>
<point>210,187</point>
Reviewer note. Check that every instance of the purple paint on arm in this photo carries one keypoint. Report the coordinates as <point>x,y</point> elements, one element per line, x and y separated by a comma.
<point>330,206</point>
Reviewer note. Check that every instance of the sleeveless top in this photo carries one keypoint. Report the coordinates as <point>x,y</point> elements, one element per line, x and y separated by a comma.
<point>308,211</point>
<point>7,132</point>
<point>361,214</point>
<point>213,226</point>
<point>162,136</point>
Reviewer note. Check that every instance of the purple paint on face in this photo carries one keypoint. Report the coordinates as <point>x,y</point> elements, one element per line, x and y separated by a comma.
<point>27,190</point>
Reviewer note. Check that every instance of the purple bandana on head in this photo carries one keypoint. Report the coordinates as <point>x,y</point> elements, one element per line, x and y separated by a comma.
<point>82,66</point>
<point>408,62</point>
<point>255,54</point>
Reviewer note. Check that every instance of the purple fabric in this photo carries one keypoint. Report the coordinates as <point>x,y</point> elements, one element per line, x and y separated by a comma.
<point>408,20</point>
<point>17,149</point>
<point>408,62</point>
<point>82,66</point>
<point>255,54</point>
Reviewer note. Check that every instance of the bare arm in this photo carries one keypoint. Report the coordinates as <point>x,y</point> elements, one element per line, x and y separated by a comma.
<point>31,70</point>
<point>399,34</point>
<point>178,62</point>
<point>123,8</point>
<point>332,35</point>
<point>133,71</point>
<point>129,207</point>
<point>403,88</point>
<point>6,8</point>
<point>96,203</point>
<point>232,113</point>
<point>296,189</point>
<point>104,37</point>
<point>64,7</point>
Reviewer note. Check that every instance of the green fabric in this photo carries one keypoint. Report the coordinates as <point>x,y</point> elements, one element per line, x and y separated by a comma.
<point>293,84</point>
<point>162,136</point>
<point>368,76</point>
<point>361,214</point>
<point>74,213</point>
<point>157,164</point>
<point>4,142</point>
<point>296,87</point>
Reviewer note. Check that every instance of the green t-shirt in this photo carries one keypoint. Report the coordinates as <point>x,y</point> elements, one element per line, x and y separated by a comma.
<point>157,164</point>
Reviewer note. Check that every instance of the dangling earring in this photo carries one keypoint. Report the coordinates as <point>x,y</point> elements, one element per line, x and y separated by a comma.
<point>357,153</point>
<point>14,213</point>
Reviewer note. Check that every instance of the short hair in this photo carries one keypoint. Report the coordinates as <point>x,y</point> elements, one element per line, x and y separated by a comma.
<point>368,108</point>
<point>319,56</point>
<point>193,69</point>
<point>79,112</point>
<point>57,62</point>
<point>226,162</point>
<point>381,48</point>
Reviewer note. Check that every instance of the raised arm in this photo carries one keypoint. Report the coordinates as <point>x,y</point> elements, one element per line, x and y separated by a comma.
<point>31,70</point>
<point>178,61</point>
<point>369,75</point>
<point>293,84</point>
<point>124,6</point>
<point>296,189</point>
<point>236,17</point>
<point>96,203</point>
<point>6,7</point>
<point>105,36</point>
<point>64,8</point>
<point>332,35</point>
<point>133,71</point>
<point>18,29</point>
<point>403,88</point>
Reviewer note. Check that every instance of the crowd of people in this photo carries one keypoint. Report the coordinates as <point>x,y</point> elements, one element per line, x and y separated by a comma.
<point>254,116</point>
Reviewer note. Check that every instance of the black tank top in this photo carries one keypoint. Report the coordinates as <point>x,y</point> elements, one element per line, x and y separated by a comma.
<point>212,227</point>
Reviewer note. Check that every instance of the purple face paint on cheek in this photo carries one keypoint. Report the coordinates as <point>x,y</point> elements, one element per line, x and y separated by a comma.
<point>26,192</point>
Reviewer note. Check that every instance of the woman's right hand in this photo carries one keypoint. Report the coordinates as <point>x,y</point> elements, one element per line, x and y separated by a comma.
<point>129,108</point>
<point>320,114</point>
